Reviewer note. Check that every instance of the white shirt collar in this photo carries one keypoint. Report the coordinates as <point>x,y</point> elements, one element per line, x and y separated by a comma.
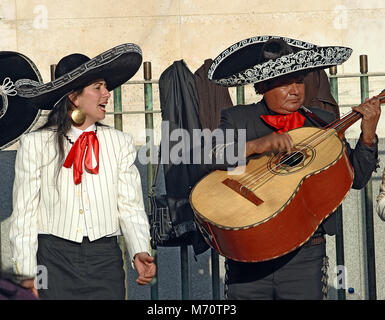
<point>76,132</point>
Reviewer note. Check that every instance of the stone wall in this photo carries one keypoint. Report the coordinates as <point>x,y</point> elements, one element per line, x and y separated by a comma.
<point>192,30</point>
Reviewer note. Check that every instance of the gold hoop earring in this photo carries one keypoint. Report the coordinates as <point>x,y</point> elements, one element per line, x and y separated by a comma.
<point>78,116</point>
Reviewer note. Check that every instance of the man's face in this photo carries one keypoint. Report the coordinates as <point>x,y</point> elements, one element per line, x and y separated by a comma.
<point>286,95</point>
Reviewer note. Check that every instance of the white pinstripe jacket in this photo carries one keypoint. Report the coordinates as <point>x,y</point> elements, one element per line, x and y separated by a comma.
<point>108,200</point>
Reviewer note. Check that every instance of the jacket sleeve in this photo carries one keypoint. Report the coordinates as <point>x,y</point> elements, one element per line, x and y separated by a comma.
<point>26,197</point>
<point>364,160</point>
<point>132,216</point>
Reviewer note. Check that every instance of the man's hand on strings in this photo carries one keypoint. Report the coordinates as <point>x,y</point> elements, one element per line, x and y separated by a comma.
<point>271,142</point>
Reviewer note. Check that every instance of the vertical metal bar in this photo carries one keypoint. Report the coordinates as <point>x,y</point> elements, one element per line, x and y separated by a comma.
<point>149,123</point>
<point>118,117</point>
<point>369,224</point>
<point>118,123</point>
<point>52,69</point>
<point>241,95</point>
<point>339,238</point>
<point>185,277</point>
<point>215,275</point>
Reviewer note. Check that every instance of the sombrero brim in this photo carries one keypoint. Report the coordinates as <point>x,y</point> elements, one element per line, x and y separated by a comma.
<point>17,116</point>
<point>115,66</point>
<point>238,64</point>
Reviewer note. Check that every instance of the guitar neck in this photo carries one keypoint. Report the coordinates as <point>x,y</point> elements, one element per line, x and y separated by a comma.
<point>348,120</point>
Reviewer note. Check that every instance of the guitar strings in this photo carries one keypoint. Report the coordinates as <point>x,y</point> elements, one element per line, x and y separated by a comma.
<point>251,178</point>
<point>322,137</point>
<point>352,116</point>
<point>314,138</point>
<point>345,122</point>
<point>341,124</point>
<point>250,175</point>
<point>319,139</point>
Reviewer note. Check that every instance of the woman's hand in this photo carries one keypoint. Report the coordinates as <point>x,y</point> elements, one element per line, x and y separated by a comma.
<point>30,284</point>
<point>145,266</point>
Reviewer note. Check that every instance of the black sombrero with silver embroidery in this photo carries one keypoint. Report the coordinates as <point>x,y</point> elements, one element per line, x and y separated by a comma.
<point>242,64</point>
<point>17,115</point>
<point>75,71</point>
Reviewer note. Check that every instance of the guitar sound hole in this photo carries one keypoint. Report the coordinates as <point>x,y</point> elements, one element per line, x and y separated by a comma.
<point>282,163</point>
<point>292,159</point>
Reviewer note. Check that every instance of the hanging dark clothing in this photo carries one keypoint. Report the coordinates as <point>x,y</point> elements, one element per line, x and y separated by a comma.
<point>180,110</point>
<point>317,92</point>
<point>213,98</point>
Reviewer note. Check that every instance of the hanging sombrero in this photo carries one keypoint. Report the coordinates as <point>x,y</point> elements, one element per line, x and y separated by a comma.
<point>17,115</point>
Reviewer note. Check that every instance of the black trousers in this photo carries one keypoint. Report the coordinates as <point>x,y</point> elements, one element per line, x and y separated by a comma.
<point>299,275</point>
<point>81,271</point>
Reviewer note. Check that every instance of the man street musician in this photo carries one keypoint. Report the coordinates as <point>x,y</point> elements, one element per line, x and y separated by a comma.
<point>277,67</point>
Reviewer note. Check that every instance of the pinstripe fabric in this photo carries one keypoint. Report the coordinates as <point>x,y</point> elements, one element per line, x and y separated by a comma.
<point>109,200</point>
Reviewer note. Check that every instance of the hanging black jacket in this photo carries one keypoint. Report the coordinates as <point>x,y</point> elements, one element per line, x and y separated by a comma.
<point>180,111</point>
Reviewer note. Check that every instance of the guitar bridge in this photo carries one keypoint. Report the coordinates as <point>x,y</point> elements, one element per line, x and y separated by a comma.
<point>243,191</point>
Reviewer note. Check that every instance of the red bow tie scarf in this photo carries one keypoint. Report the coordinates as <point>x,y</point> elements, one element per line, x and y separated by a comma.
<point>285,122</point>
<point>89,141</point>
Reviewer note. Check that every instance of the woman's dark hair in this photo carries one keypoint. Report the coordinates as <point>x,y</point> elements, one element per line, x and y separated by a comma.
<point>60,122</point>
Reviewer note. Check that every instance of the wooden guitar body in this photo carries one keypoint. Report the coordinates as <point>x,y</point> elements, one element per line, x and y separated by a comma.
<point>276,203</point>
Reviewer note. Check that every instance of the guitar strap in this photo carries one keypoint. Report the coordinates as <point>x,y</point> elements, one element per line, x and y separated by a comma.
<point>312,115</point>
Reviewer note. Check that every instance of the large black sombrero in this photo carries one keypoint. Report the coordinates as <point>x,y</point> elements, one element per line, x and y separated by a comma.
<point>17,115</point>
<point>75,71</point>
<point>249,61</point>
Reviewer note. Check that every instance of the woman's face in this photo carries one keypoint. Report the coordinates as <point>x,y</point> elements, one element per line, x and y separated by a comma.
<point>92,101</point>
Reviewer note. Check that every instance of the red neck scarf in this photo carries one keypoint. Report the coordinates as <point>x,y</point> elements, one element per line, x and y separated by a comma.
<point>89,141</point>
<point>285,122</point>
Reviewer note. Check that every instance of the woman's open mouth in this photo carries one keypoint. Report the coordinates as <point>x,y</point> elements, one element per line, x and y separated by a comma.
<point>103,107</point>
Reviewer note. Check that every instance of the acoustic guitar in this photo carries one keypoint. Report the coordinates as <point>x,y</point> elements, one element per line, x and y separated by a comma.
<point>276,203</point>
